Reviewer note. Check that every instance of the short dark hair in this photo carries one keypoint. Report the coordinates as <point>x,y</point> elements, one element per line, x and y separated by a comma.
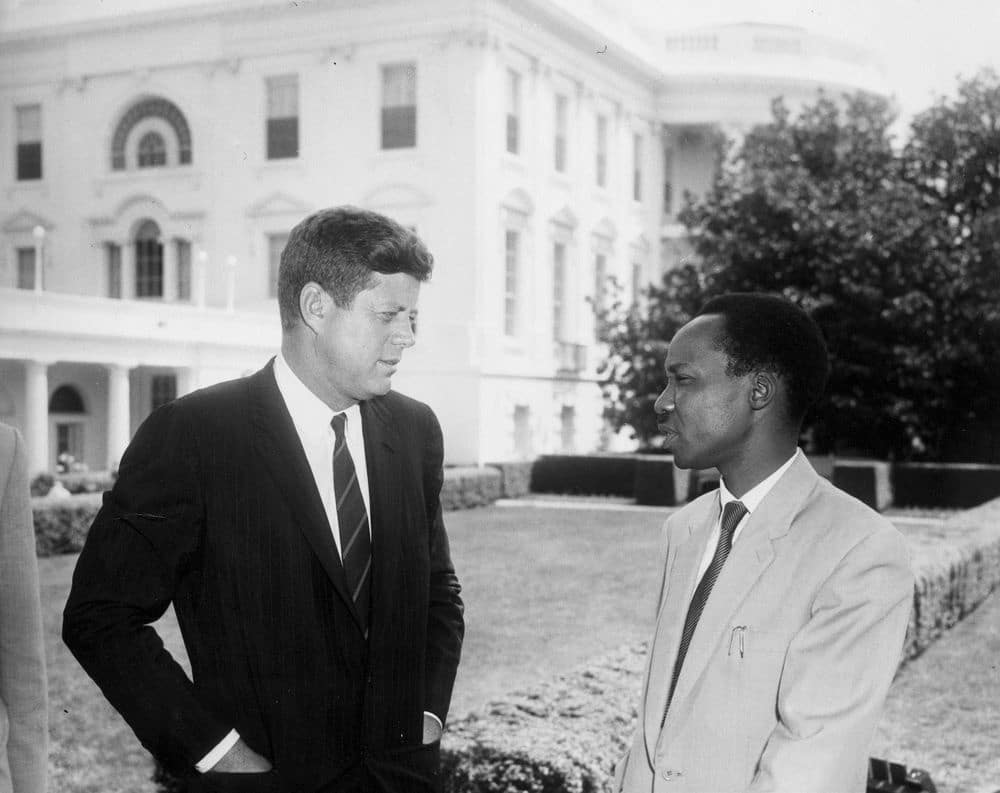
<point>770,333</point>
<point>340,249</point>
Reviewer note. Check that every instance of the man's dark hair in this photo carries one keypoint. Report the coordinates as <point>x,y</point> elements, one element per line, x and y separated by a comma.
<point>769,333</point>
<point>340,249</point>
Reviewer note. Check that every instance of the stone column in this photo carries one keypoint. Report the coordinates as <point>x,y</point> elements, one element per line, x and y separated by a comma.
<point>36,426</point>
<point>186,380</point>
<point>119,415</point>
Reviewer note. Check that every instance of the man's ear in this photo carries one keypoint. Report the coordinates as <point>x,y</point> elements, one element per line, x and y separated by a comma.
<point>314,304</point>
<point>763,389</point>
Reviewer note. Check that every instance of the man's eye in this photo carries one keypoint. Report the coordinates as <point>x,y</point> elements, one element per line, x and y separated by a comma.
<point>387,316</point>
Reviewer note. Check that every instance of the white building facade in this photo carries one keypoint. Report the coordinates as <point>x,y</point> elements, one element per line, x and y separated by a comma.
<point>153,162</point>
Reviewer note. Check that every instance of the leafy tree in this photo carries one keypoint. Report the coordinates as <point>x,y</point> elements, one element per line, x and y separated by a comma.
<point>894,254</point>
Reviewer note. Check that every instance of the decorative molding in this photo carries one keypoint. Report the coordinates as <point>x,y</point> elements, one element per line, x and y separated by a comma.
<point>564,218</point>
<point>278,203</point>
<point>341,53</point>
<point>77,83</point>
<point>25,221</point>
<point>518,200</point>
<point>397,195</point>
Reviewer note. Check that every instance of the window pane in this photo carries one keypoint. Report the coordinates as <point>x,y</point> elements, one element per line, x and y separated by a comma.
<point>602,151</point>
<point>637,167</point>
<point>562,118</point>
<point>114,258</point>
<point>558,289</point>
<point>29,123</point>
<point>29,161</point>
<point>148,268</point>
<point>513,111</point>
<point>282,138</point>
<point>600,276</point>
<point>399,85</point>
<point>399,127</point>
<point>25,268</point>
<point>163,389</point>
<point>275,245</point>
<point>152,151</point>
<point>283,96</point>
<point>183,270</point>
<point>511,245</point>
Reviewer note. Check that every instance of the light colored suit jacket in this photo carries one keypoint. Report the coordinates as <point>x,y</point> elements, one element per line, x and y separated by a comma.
<point>23,707</point>
<point>788,669</point>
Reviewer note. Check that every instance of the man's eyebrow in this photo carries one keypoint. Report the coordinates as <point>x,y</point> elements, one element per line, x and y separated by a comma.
<point>675,366</point>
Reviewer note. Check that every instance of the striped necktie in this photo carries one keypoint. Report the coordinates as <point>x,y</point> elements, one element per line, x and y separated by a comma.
<point>355,538</point>
<point>732,514</point>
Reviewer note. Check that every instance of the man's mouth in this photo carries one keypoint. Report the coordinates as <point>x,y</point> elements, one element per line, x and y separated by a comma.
<point>392,363</point>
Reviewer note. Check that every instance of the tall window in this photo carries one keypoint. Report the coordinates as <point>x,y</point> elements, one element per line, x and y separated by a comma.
<point>113,255</point>
<point>636,283</point>
<point>601,164</point>
<point>512,245</point>
<point>282,117</point>
<point>558,290</point>
<point>183,270</point>
<point>152,151</point>
<point>513,111</point>
<point>399,106</point>
<point>69,439</point>
<point>25,268</point>
<point>148,261</point>
<point>29,142</point>
<point>275,245</point>
<point>163,389</point>
<point>561,132</point>
<point>600,281</point>
<point>637,167</point>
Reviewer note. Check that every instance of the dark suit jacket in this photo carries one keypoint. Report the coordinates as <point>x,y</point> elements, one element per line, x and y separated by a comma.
<point>216,511</point>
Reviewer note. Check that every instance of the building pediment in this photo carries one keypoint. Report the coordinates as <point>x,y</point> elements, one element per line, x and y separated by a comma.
<point>565,218</point>
<point>606,230</point>
<point>396,196</point>
<point>279,204</point>
<point>519,201</point>
<point>25,221</point>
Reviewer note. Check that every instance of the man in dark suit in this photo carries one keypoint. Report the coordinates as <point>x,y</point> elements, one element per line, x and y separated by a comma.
<point>293,520</point>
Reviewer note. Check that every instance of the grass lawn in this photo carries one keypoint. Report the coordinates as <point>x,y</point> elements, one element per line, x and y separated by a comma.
<point>545,589</point>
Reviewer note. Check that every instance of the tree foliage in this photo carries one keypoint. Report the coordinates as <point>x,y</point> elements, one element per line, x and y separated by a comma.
<point>895,253</point>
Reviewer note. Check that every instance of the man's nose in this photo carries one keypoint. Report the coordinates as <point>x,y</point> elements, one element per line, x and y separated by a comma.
<point>665,401</point>
<point>403,333</point>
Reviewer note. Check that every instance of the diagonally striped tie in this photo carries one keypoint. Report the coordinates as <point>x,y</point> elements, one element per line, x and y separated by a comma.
<point>355,537</point>
<point>732,514</point>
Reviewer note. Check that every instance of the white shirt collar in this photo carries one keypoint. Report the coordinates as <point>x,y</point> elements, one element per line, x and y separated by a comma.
<point>752,498</point>
<point>307,409</point>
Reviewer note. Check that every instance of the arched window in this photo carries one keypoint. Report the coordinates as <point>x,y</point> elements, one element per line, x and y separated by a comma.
<point>66,399</point>
<point>154,107</point>
<point>148,261</point>
<point>152,151</point>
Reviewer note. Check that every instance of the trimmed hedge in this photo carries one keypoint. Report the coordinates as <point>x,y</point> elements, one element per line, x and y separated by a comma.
<point>867,480</point>
<point>470,486</point>
<point>515,478</point>
<point>61,524</point>
<point>584,474</point>
<point>959,485</point>
<point>567,734</point>
<point>658,482</point>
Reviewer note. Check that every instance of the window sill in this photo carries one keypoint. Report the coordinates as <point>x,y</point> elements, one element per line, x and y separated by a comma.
<point>184,175</point>
<point>36,187</point>
<point>285,165</point>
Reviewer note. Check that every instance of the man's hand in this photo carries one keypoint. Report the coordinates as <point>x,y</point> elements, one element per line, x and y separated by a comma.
<point>432,729</point>
<point>241,759</point>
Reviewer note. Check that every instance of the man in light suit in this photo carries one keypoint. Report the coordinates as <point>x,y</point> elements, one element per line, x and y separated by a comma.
<point>784,601</point>
<point>293,519</point>
<point>23,709</point>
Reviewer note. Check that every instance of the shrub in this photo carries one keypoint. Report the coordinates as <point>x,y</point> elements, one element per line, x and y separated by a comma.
<point>944,484</point>
<point>42,484</point>
<point>470,486</point>
<point>584,474</point>
<point>866,480</point>
<point>87,481</point>
<point>61,525</point>
<point>515,478</point>
<point>658,482</point>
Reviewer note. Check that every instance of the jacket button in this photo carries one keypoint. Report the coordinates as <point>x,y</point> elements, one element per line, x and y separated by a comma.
<point>670,775</point>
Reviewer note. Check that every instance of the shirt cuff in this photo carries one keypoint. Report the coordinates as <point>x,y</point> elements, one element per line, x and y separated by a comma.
<point>207,763</point>
<point>428,713</point>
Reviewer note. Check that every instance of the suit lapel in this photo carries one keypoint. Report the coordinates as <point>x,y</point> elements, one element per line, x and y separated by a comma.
<point>277,446</point>
<point>386,486</point>
<point>680,580</point>
<point>751,555</point>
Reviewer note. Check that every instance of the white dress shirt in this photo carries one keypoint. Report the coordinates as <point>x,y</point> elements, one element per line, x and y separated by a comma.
<point>751,500</point>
